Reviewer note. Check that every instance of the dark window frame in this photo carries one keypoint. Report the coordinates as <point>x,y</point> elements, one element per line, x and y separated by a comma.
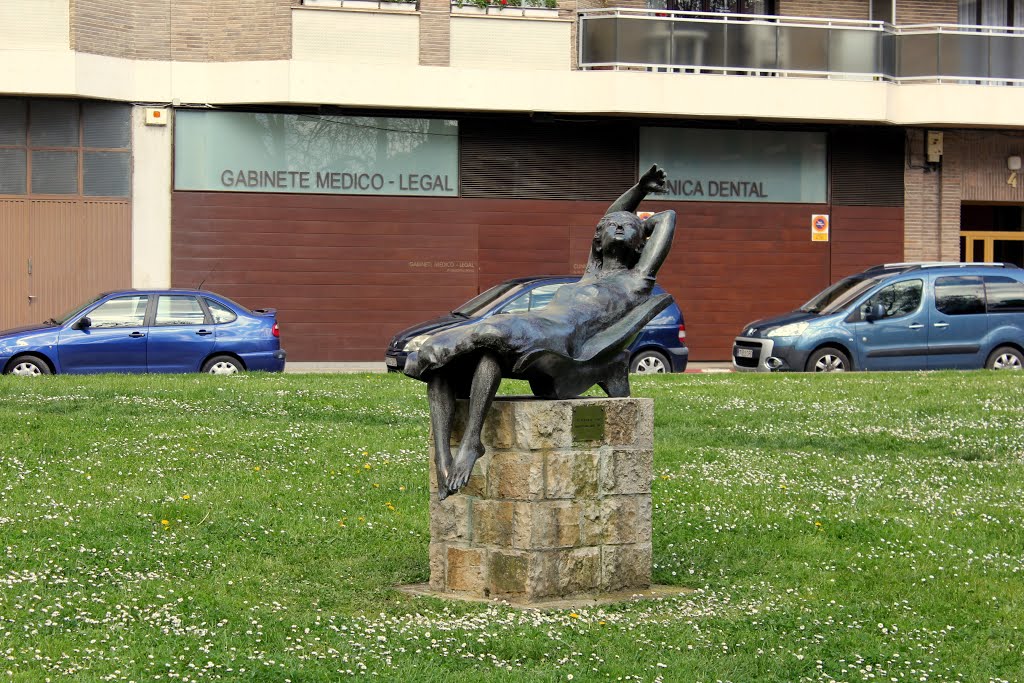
<point>80,150</point>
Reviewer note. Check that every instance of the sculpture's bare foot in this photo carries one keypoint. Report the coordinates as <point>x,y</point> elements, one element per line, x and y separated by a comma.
<point>462,467</point>
<point>443,466</point>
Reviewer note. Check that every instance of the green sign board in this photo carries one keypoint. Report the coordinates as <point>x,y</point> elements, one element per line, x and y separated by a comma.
<point>309,153</point>
<point>710,165</point>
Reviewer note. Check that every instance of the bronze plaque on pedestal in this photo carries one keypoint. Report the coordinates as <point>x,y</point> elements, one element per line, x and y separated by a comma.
<point>587,423</point>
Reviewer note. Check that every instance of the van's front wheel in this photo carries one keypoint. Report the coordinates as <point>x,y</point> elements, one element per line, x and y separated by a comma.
<point>828,359</point>
<point>1005,358</point>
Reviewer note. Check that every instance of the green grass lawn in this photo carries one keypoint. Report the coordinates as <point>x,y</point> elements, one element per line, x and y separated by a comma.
<point>853,527</point>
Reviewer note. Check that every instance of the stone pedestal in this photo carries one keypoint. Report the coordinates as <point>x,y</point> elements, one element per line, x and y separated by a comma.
<point>559,506</point>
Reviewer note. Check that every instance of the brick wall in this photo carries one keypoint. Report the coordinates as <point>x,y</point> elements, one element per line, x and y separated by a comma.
<point>841,9</point>
<point>435,32</point>
<point>184,30</point>
<point>932,200</point>
<point>926,12</point>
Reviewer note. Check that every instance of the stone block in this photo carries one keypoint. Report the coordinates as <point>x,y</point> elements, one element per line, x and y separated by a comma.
<point>625,566</point>
<point>620,422</point>
<point>514,475</point>
<point>449,519</point>
<point>644,434</point>
<point>507,572</point>
<point>499,425</point>
<point>571,474</point>
<point>492,522</point>
<point>627,471</point>
<point>543,525</point>
<point>613,520</point>
<point>579,570</point>
<point>465,569</point>
<point>543,424</point>
<point>438,565</point>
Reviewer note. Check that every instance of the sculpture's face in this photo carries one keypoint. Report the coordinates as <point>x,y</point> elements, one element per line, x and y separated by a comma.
<point>620,232</point>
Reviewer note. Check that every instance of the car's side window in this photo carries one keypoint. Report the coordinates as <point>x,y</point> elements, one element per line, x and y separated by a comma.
<point>179,310</point>
<point>959,295</point>
<point>124,311</point>
<point>897,299</point>
<point>542,296</point>
<point>518,305</point>
<point>1005,295</point>
<point>220,312</point>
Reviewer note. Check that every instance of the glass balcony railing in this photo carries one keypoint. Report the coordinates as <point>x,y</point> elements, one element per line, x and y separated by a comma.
<point>797,46</point>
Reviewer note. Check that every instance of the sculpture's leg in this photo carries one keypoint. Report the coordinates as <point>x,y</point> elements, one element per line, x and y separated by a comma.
<point>441,396</point>
<point>617,383</point>
<point>486,379</point>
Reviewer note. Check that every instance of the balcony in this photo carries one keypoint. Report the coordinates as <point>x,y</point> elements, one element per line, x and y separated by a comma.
<point>661,40</point>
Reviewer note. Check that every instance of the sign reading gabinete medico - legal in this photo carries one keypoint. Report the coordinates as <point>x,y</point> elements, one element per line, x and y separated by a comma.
<point>315,154</point>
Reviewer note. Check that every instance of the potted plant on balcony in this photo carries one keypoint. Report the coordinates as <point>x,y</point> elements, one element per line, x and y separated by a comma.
<point>540,8</point>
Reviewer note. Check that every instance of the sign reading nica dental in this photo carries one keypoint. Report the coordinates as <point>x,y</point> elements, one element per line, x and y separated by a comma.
<point>705,165</point>
<point>309,153</point>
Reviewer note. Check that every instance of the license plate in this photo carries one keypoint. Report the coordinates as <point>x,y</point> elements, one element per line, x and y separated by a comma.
<point>391,362</point>
<point>744,353</point>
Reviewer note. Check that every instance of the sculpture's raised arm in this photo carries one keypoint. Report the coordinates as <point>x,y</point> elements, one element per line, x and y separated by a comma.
<point>652,181</point>
<point>661,227</point>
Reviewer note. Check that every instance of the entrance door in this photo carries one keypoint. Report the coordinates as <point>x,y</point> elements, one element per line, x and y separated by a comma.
<point>992,233</point>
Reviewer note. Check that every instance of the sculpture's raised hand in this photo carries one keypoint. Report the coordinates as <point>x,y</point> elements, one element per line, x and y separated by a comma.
<point>653,180</point>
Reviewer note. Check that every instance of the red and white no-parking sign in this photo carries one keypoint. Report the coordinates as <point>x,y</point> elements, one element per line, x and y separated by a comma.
<point>819,227</point>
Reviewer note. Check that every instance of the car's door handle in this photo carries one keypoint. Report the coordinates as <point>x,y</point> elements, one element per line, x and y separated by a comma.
<point>916,326</point>
<point>941,325</point>
<point>136,335</point>
<point>203,333</point>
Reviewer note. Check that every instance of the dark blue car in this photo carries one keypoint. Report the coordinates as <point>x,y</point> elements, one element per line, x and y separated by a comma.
<point>133,331</point>
<point>660,346</point>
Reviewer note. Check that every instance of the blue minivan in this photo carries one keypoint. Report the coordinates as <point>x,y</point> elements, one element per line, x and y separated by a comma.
<point>660,347</point>
<point>900,316</point>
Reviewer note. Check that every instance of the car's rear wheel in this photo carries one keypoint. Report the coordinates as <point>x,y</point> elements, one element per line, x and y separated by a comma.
<point>649,363</point>
<point>28,366</point>
<point>828,359</point>
<point>1005,358</point>
<point>223,365</point>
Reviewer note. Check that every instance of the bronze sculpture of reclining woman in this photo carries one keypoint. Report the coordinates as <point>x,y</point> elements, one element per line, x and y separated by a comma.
<point>578,340</point>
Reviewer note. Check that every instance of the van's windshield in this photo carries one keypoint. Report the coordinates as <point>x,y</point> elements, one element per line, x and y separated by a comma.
<point>839,295</point>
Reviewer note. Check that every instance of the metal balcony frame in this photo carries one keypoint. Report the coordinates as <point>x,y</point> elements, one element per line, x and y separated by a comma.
<point>890,35</point>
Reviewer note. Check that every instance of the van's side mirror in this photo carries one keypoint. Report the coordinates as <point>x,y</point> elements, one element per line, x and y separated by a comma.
<point>82,323</point>
<point>876,312</point>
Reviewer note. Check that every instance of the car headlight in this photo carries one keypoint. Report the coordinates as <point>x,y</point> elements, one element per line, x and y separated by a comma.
<point>415,343</point>
<point>790,330</point>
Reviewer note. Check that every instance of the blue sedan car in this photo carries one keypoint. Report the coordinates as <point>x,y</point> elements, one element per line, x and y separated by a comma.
<point>134,331</point>
<point>660,346</point>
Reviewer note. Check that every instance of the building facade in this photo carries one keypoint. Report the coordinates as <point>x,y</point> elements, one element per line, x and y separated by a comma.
<point>361,165</point>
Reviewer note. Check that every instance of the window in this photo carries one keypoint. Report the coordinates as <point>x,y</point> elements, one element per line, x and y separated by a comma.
<point>542,296</point>
<point>124,311</point>
<point>897,299</point>
<point>959,295</point>
<point>533,300</point>
<point>65,147</point>
<point>179,310</point>
<point>220,313</point>
<point>1005,295</point>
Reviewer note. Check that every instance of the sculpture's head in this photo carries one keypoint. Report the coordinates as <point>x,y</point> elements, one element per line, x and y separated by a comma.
<point>620,235</point>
